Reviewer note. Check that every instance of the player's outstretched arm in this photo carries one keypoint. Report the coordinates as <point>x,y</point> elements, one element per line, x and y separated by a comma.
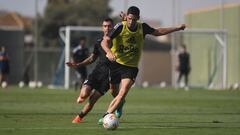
<point>165,31</point>
<point>87,61</point>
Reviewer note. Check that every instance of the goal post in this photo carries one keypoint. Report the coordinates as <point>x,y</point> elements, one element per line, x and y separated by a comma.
<point>217,39</point>
<point>65,35</point>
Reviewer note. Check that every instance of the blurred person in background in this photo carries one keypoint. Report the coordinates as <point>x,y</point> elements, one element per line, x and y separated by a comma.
<point>183,66</point>
<point>4,67</point>
<point>80,53</point>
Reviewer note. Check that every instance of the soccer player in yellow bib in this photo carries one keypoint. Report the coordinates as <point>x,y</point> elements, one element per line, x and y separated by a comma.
<point>127,43</point>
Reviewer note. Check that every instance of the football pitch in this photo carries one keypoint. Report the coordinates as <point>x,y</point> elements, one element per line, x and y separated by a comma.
<point>149,111</point>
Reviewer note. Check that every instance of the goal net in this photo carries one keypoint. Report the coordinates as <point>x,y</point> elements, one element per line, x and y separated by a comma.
<point>208,52</point>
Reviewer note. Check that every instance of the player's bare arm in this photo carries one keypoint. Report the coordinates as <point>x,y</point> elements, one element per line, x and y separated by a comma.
<point>87,61</point>
<point>105,45</point>
<point>165,31</point>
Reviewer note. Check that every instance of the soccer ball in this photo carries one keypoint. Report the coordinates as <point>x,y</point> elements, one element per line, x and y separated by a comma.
<point>4,84</point>
<point>21,84</point>
<point>110,122</point>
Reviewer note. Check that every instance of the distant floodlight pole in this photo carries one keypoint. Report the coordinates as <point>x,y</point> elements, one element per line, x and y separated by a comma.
<point>36,43</point>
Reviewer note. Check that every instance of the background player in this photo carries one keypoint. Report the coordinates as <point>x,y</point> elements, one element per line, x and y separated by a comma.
<point>183,65</point>
<point>79,53</point>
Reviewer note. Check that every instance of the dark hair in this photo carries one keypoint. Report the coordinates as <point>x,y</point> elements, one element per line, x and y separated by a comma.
<point>108,20</point>
<point>133,10</point>
<point>82,38</point>
<point>183,46</point>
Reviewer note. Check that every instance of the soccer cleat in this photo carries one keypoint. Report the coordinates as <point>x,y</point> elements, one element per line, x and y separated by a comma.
<point>80,100</point>
<point>100,121</point>
<point>118,112</point>
<point>77,119</point>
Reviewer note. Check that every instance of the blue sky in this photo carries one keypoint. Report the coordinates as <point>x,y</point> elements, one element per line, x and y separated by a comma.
<point>159,10</point>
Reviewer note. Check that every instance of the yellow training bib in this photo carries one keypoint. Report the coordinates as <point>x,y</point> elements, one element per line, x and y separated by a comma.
<point>128,45</point>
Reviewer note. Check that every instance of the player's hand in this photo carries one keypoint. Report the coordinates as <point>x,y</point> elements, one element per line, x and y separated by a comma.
<point>182,27</point>
<point>123,16</point>
<point>111,56</point>
<point>72,64</point>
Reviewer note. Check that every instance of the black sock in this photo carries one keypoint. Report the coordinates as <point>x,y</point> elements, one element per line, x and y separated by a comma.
<point>106,113</point>
<point>81,114</point>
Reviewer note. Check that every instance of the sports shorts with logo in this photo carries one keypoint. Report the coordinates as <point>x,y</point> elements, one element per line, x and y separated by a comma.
<point>99,79</point>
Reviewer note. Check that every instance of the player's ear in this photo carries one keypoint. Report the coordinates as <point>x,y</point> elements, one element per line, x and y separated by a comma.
<point>138,17</point>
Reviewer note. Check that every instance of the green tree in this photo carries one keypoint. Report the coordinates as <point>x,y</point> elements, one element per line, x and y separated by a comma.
<point>60,13</point>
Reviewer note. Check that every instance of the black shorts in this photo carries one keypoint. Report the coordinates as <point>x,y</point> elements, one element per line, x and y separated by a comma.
<point>4,67</point>
<point>185,70</point>
<point>99,79</point>
<point>82,71</point>
<point>118,72</point>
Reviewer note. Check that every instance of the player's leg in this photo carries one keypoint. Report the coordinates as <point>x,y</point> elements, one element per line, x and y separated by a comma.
<point>88,107</point>
<point>114,89</point>
<point>186,80</point>
<point>1,78</point>
<point>83,73</point>
<point>77,82</point>
<point>179,77</point>
<point>84,93</point>
<point>126,84</point>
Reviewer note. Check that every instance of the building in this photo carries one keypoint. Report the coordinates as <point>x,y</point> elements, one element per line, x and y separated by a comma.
<point>12,35</point>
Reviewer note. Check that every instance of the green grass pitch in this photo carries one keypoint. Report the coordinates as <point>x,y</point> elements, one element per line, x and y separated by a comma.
<point>147,112</point>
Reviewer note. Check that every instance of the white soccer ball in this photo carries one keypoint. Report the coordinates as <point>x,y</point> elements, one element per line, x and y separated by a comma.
<point>32,84</point>
<point>39,84</point>
<point>21,84</point>
<point>110,122</point>
<point>4,84</point>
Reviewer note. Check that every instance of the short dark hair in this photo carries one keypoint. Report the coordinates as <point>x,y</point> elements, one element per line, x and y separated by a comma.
<point>108,20</point>
<point>183,46</point>
<point>82,38</point>
<point>133,10</point>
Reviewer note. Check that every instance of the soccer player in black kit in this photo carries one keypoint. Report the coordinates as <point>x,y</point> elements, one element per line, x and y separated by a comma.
<point>80,53</point>
<point>183,65</point>
<point>98,79</point>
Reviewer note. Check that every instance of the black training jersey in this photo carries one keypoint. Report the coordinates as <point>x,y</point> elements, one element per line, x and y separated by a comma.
<point>184,60</point>
<point>118,29</point>
<point>80,54</point>
<point>100,52</point>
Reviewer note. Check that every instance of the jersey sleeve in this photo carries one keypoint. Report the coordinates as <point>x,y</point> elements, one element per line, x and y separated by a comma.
<point>116,30</point>
<point>96,45</point>
<point>147,29</point>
